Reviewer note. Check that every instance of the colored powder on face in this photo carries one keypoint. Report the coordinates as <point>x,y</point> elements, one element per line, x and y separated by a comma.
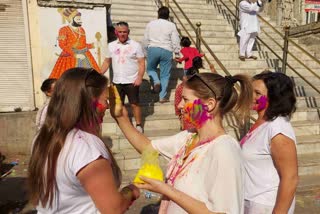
<point>100,108</point>
<point>196,113</point>
<point>261,103</point>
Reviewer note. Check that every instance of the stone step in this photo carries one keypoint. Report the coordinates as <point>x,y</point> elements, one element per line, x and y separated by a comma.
<point>234,54</point>
<point>118,142</point>
<point>151,122</point>
<point>138,32</point>
<point>193,5</point>
<point>305,91</point>
<point>308,183</point>
<point>145,19</point>
<point>308,144</point>
<point>116,6</point>
<point>303,114</point>
<point>303,128</point>
<point>262,62</point>
<point>191,15</point>
<point>216,47</point>
<point>303,102</point>
<point>133,3</point>
<point>309,164</point>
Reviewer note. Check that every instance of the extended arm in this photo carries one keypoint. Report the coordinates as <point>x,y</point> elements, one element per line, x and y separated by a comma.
<point>284,155</point>
<point>189,204</point>
<point>137,139</point>
<point>175,40</point>
<point>145,41</point>
<point>246,7</point>
<point>184,58</point>
<point>141,70</point>
<point>106,64</point>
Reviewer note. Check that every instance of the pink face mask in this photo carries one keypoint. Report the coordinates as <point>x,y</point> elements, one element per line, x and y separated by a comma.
<point>261,103</point>
<point>196,113</point>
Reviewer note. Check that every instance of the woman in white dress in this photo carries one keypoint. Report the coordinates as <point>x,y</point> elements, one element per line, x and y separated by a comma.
<point>269,148</point>
<point>205,173</point>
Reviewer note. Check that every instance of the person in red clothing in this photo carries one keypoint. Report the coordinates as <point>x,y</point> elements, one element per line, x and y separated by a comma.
<point>188,53</point>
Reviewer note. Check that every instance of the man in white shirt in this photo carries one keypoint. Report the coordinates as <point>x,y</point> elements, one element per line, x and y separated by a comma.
<point>161,39</point>
<point>128,64</point>
<point>249,26</point>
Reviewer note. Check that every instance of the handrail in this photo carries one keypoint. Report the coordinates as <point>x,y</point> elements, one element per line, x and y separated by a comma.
<point>293,56</point>
<point>294,70</point>
<point>189,35</point>
<point>280,34</point>
<point>202,40</point>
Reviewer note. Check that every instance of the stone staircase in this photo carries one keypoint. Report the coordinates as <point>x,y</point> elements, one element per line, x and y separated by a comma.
<point>218,32</point>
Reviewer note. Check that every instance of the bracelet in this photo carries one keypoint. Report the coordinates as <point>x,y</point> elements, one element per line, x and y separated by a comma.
<point>127,191</point>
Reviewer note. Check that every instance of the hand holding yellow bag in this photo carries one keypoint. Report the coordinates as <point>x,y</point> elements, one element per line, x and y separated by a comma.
<point>115,101</point>
<point>150,167</point>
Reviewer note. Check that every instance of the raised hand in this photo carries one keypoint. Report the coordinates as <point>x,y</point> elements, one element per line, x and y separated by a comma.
<point>115,101</point>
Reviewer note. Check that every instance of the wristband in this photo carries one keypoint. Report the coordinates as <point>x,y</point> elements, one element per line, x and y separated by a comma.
<point>128,191</point>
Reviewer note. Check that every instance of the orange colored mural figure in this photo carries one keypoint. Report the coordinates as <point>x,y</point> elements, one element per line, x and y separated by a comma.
<point>75,50</point>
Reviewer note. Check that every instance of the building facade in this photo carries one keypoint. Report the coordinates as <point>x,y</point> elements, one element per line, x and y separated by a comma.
<point>303,11</point>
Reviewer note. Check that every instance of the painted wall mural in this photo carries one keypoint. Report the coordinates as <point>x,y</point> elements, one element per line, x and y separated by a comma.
<point>71,38</point>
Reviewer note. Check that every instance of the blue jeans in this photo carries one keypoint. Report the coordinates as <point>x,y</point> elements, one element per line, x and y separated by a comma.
<point>162,57</point>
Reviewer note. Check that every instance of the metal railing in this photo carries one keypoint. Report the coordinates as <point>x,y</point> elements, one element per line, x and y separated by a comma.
<point>199,37</point>
<point>288,52</point>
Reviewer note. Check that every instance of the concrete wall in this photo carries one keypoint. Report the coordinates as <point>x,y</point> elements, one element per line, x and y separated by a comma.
<point>17,131</point>
<point>273,9</point>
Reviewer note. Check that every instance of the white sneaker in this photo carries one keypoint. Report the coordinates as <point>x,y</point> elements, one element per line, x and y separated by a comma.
<point>139,128</point>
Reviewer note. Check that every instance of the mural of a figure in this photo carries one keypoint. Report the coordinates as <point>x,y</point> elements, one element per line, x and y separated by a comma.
<point>72,41</point>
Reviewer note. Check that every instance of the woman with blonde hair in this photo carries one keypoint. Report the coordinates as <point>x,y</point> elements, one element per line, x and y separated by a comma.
<point>205,173</point>
<point>71,170</point>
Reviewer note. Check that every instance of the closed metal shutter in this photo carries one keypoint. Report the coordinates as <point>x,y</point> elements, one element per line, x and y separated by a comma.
<point>16,81</point>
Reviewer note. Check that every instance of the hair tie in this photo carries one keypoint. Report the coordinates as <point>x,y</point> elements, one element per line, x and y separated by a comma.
<point>230,79</point>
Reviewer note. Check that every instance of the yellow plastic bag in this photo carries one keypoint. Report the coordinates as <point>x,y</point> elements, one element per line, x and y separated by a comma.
<point>115,101</point>
<point>150,167</point>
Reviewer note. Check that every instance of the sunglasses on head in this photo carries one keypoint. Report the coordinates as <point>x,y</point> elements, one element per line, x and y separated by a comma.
<point>196,75</point>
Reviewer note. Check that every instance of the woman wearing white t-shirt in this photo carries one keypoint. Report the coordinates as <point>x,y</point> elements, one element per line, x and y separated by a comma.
<point>71,170</point>
<point>205,173</point>
<point>269,148</point>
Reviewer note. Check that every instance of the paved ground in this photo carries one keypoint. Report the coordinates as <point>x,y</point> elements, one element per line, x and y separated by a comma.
<point>13,194</point>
